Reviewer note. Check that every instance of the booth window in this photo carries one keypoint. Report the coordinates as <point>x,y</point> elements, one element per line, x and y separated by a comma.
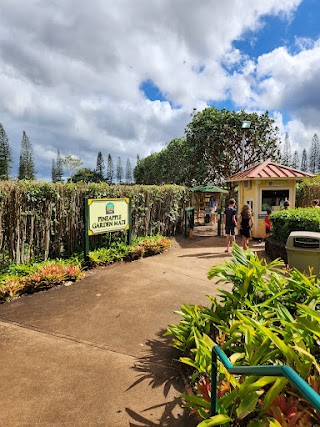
<point>273,199</point>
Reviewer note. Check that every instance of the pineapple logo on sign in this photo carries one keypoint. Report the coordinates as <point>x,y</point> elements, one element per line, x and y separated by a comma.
<point>108,215</point>
<point>109,208</point>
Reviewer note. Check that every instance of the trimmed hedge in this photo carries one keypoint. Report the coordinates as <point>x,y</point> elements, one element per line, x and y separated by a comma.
<point>301,219</point>
<point>41,220</point>
<point>308,190</point>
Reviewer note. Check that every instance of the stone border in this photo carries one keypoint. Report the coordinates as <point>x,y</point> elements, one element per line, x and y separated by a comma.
<point>275,249</point>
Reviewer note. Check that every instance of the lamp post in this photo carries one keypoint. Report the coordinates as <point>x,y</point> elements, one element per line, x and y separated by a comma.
<point>245,125</point>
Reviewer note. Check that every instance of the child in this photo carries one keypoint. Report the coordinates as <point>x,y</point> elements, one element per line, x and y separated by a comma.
<point>245,223</point>
<point>267,223</point>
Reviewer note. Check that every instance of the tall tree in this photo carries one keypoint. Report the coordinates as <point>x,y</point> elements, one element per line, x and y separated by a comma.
<point>295,160</point>
<point>128,172</point>
<point>59,167</point>
<point>314,154</point>
<point>286,154</point>
<point>119,170</point>
<point>170,166</point>
<point>304,161</point>
<point>5,155</point>
<point>110,170</point>
<point>26,163</point>
<point>215,143</point>
<point>215,148</point>
<point>54,171</point>
<point>100,166</point>
<point>72,164</point>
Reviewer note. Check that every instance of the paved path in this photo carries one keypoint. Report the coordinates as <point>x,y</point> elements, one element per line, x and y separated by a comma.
<point>92,354</point>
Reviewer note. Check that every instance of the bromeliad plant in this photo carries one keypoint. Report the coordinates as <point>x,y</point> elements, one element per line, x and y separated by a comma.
<point>141,247</point>
<point>270,318</point>
<point>42,276</point>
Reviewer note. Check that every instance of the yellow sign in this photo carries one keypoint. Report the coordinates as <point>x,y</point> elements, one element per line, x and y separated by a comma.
<point>108,215</point>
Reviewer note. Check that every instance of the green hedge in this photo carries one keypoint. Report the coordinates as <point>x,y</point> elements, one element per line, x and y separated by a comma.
<point>301,219</point>
<point>41,220</point>
<point>307,190</point>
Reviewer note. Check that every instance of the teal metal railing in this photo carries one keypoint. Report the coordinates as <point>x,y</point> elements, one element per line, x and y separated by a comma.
<point>261,371</point>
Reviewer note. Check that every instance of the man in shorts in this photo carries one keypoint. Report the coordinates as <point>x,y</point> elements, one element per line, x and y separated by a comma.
<point>230,222</point>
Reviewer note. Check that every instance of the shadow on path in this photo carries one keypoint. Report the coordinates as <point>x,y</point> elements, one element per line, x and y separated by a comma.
<point>161,368</point>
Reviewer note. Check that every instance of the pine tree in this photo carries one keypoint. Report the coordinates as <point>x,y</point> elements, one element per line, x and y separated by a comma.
<point>26,163</point>
<point>314,154</point>
<point>54,171</point>
<point>110,170</point>
<point>304,161</point>
<point>100,166</point>
<point>295,160</point>
<point>5,154</point>
<point>128,172</point>
<point>138,159</point>
<point>286,155</point>
<point>59,167</point>
<point>119,171</point>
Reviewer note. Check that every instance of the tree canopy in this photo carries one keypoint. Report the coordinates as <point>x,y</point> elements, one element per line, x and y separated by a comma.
<point>85,175</point>
<point>214,148</point>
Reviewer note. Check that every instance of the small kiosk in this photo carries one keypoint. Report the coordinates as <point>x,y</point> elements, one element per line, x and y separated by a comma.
<point>205,193</point>
<point>266,186</point>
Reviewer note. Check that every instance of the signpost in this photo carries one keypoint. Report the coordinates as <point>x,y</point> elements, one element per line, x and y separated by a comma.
<point>104,216</point>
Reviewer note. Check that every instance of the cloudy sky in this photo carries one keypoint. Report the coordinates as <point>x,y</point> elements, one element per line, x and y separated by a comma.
<point>122,77</point>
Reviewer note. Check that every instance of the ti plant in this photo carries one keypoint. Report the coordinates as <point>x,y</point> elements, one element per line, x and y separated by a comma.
<point>271,317</point>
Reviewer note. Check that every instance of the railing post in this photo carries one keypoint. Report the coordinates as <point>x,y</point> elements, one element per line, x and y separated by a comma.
<point>214,384</point>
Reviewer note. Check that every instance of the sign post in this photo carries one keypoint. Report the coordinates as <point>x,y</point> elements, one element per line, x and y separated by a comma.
<point>104,216</point>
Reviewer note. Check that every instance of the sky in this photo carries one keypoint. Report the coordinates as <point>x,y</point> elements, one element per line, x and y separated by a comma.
<point>123,77</point>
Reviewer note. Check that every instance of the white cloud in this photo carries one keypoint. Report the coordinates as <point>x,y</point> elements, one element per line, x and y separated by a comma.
<point>71,71</point>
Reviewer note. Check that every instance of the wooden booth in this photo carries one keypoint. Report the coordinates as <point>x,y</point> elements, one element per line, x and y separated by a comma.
<point>204,195</point>
<point>266,186</point>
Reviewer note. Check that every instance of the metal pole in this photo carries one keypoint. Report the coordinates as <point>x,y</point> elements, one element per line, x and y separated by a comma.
<point>86,227</point>
<point>242,150</point>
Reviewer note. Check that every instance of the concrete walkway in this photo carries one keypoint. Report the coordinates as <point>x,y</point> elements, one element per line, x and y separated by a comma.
<point>92,354</point>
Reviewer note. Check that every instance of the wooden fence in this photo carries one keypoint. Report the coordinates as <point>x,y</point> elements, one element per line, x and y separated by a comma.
<point>41,220</point>
<point>307,191</point>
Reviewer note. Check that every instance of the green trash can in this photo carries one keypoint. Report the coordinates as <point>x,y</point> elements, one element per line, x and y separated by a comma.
<point>303,250</point>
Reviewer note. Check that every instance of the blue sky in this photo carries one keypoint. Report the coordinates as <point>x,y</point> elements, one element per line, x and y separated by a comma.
<point>123,77</point>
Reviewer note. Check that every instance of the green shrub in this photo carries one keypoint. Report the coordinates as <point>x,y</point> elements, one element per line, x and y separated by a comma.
<point>269,318</point>
<point>301,219</point>
<point>141,247</point>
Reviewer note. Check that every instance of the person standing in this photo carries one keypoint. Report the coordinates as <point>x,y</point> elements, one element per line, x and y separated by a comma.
<point>267,223</point>
<point>213,208</point>
<point>230,222</point>
<point>286,204</point>
<point>245,223</point>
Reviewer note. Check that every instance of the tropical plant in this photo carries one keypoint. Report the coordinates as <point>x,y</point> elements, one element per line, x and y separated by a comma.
<point>37,277</point>
<point>269,318</point>
<point>118,251</point>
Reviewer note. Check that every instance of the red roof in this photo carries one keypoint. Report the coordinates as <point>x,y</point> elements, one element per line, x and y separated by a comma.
<point>269,170</point>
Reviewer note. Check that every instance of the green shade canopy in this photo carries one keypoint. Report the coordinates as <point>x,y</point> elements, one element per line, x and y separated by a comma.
<point>209,188</point>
